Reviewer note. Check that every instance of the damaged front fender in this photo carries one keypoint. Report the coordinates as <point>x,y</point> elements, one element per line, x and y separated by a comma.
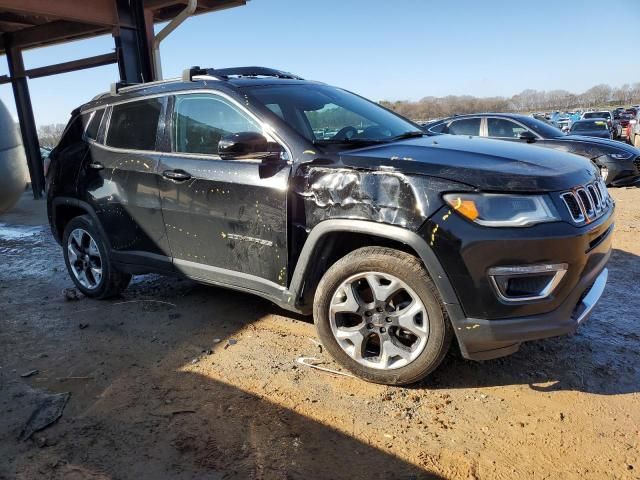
<point>385,196</point>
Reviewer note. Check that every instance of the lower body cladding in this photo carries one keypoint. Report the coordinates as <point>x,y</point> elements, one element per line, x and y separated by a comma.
<point>563,266</point>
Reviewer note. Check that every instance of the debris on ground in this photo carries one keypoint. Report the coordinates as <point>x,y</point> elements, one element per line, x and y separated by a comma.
<point>82,326</point>
<point>71,294</point>
<point>48,411</point>
<point>30,373</point>
<point>312,362</point>
<point>230,342</point>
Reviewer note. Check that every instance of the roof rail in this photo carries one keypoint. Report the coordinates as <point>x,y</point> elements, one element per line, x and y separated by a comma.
<point>225,73</point>
<point>116,87</point>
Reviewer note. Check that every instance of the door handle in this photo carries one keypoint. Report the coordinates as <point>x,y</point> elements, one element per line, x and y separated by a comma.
<point>96,166</point>
<point>176,175</point>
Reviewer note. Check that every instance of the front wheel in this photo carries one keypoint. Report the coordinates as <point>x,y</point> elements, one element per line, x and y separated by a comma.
<point>88,260</point>
<point>379,314</point>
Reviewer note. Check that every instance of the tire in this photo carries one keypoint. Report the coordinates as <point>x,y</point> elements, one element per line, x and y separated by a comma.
<point>111,282</point>
<point>383,265</point>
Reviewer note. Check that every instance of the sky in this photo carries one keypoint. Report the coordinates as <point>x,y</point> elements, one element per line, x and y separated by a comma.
<point>384,50</point>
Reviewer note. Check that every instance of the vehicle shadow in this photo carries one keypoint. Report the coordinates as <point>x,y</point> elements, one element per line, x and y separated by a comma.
<point>136,409</point>
<point>602,357</point>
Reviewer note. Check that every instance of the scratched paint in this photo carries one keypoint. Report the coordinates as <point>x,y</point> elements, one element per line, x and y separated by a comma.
<point>385,196</point>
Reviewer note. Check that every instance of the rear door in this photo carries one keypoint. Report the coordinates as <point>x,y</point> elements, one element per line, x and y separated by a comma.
<point>226,220</point>
<point>120,181</point>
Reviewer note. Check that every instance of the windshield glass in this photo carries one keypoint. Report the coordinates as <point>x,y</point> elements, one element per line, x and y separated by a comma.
<point>326,114</point>
<point>592,125</point>
<point>597,115</point>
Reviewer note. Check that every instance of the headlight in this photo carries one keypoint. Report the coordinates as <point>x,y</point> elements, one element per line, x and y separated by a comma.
<point>620,156</point>
<point>503,210</point>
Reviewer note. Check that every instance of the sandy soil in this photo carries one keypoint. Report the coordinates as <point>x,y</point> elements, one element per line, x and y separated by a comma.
<point>182,381</point>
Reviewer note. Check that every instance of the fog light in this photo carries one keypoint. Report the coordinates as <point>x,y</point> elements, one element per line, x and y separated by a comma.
<point>526,282</point>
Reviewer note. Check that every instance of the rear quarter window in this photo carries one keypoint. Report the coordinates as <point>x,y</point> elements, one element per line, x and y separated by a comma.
<point>94,124</point>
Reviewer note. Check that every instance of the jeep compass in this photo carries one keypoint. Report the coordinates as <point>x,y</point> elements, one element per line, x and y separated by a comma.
<point>328,204</point>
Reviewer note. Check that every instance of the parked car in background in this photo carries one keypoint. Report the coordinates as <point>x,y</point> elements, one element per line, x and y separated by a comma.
<point>591,128</point>
<point>609,117</point>
<point>619,163</point>
<point>634,130</point>
<point>624,119</point>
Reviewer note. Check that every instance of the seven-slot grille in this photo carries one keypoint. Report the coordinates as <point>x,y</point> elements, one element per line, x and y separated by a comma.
<point>587,203</point>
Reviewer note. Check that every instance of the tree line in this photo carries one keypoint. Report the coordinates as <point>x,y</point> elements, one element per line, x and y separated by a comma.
<point>526,101</point>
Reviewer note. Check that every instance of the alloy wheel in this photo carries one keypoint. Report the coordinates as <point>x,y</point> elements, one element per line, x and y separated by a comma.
<point>84,258</point>
<point>378,320</point>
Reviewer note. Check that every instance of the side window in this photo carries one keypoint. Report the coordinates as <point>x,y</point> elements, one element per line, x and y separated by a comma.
<point>465,126</point>
<point>275,108</point>
<point>439,128</point>
<point>94,124</point>
<point>134,125</point>
<point>72,133</point>
<point>502,128</point>
<point>201,121</point>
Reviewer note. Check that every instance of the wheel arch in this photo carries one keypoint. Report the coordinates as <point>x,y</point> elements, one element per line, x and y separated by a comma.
<point>318,254</point>
<point>64,209</point>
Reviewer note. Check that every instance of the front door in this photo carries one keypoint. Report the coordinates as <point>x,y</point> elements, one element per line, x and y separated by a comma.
<point>222,217</point>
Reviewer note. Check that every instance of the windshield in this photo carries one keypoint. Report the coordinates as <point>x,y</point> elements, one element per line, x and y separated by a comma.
<point>597,115</point>
<point>326,115</point>
<point>542,128</point>
<point>592,125</point>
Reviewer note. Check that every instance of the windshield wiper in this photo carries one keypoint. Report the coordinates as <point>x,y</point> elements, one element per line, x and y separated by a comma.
<point>342,141</point>
<point>411,134</point>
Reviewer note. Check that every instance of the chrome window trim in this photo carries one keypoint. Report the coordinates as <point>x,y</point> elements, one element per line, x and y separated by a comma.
<point>266,128</point>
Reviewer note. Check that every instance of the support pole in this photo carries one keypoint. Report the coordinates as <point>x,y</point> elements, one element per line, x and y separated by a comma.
<point>134,59</point>
<point>25,116</point>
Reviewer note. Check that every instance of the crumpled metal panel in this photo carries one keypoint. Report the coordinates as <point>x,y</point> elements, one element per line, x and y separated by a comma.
<point>385,196</point>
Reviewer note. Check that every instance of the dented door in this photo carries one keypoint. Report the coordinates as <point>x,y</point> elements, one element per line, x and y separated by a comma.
<point>229,214</point>
<point>221,215</point>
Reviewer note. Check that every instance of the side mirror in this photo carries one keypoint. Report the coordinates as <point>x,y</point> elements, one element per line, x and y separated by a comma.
<point>527,136</point>
<point>248,145</point>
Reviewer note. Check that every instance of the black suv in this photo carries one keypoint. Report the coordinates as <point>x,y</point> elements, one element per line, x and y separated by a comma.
<point>326,203</point>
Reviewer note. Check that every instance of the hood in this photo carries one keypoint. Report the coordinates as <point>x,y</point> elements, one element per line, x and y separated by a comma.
<point>491,165</point>
<point>591,133</point>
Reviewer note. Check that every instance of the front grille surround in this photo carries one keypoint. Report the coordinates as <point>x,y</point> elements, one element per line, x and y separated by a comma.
<point>588,202</point>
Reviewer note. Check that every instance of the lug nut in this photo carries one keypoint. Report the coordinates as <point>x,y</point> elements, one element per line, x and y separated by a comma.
<point>369,326</point>
<point>382,330</point>
<point>368,314</point>
<point>379,309</point>
<point>388,319</point>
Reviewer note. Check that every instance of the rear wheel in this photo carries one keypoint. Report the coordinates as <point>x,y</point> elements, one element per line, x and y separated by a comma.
<point>379,314</point>
<point>88,260</point>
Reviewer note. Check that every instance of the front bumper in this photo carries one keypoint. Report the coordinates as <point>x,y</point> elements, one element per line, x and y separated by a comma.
<point>486,339</point>
<point>486,326</point>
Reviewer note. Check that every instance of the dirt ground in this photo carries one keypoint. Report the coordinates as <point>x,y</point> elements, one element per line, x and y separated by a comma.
<point>182,381</point>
